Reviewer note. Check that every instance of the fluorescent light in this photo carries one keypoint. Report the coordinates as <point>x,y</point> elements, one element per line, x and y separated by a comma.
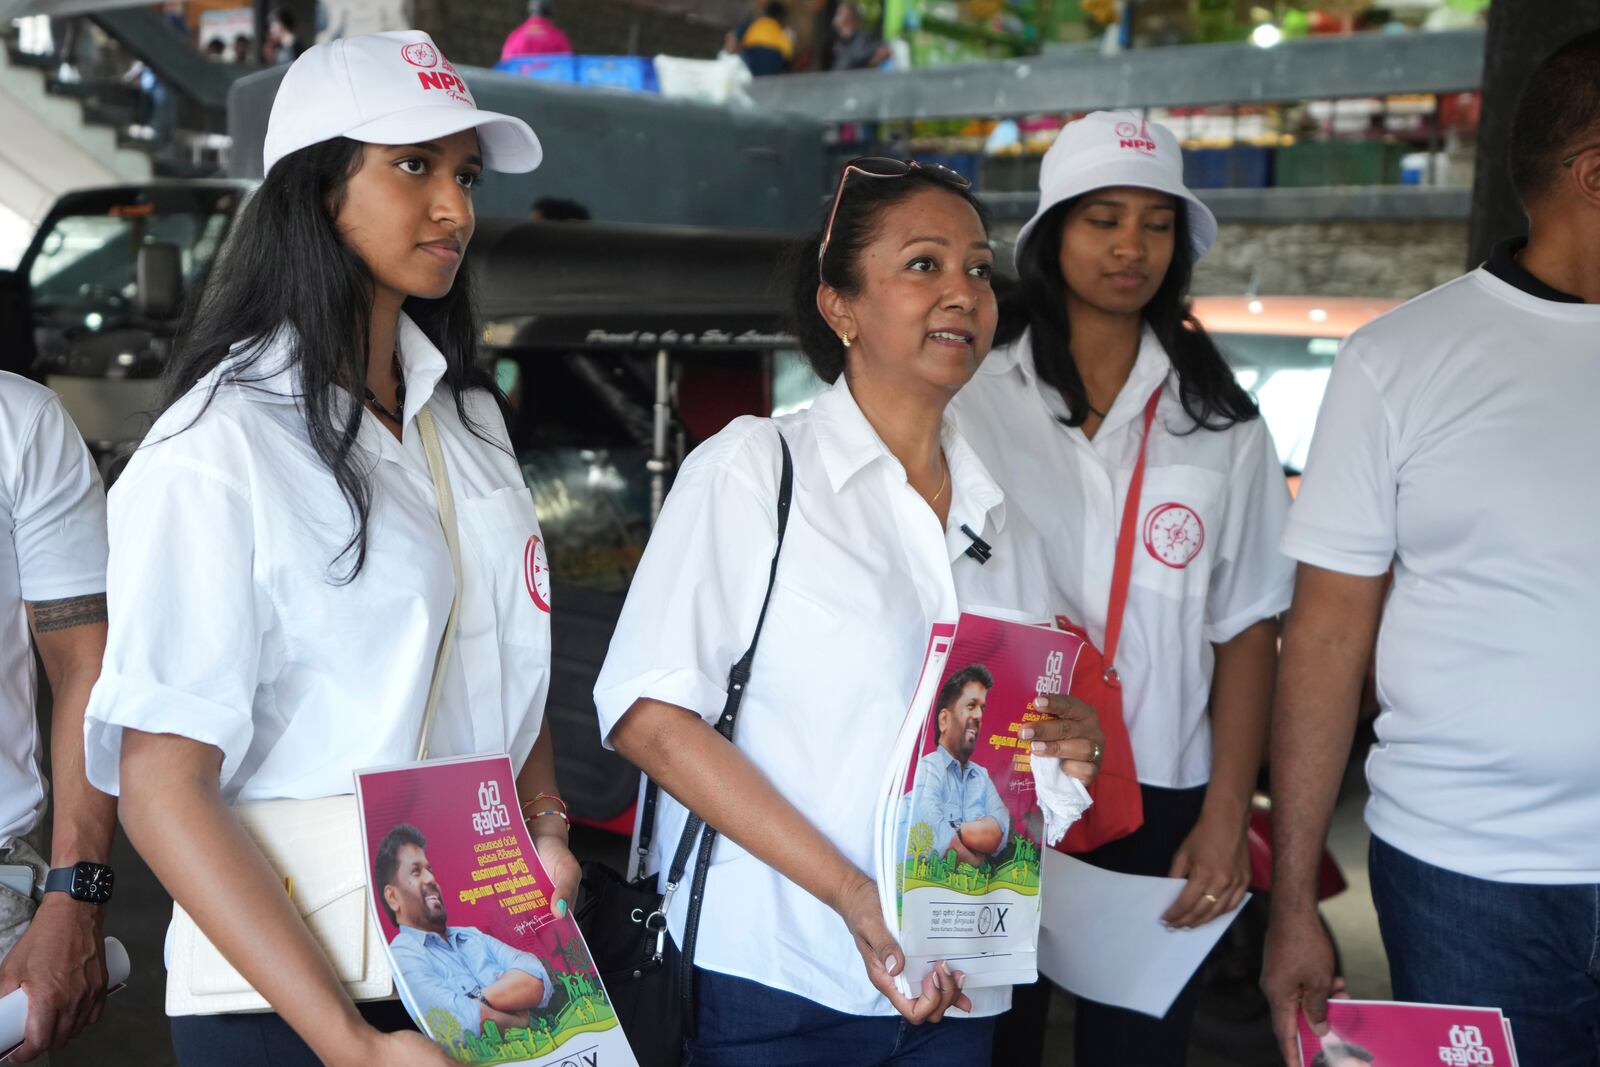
<point>1255,307</point>
<point>1265,35</point>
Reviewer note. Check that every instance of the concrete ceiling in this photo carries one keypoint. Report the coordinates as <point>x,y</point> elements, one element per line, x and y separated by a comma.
<point>13,9</point>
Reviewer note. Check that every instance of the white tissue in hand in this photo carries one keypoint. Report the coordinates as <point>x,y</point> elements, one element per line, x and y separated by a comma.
<point>1062,798</point>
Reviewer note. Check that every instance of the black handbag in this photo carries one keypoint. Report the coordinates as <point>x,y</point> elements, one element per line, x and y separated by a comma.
<point>650,979</point>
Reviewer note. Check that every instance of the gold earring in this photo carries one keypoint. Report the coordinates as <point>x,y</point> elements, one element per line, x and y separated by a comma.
<point>845,338</point>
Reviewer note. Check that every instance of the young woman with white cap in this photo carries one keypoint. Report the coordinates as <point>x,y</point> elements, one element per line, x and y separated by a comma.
<point>793,964</point>
<point>326,510</point>
<point>1100,362</point>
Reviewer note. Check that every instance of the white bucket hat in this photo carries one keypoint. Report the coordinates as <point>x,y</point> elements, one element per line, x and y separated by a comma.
<point>1111,148</point>
<point>388,88</point>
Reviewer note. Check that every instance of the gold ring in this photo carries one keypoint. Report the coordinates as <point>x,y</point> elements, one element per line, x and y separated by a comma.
<point>1098,751</point>
<point>1212,897</point>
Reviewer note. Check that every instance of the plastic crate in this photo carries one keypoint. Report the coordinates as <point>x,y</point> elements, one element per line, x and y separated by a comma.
<point>1236,167</point>
<point>1312,163</point>
<point>617,72</point>
<point>541,68</point>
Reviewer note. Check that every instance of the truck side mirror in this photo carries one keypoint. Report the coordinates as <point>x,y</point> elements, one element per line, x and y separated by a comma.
<point>159,280</point>
<point>16,324</point>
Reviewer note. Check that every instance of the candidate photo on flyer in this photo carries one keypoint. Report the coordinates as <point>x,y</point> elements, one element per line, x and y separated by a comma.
<point>459,970</point>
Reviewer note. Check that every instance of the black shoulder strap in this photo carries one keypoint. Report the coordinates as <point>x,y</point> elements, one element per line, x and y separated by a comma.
<point>738,678</point>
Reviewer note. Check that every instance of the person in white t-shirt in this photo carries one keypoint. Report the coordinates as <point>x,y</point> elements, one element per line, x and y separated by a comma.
<point>1101,330</point>
<point>52,589</point>
<point>280,578</point>
<point>793,962</point>
<point>1456,450</point>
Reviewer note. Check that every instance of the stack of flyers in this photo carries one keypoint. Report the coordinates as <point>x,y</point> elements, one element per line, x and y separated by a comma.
<point>1375,1033</point>
<point>480,958</point>
<point>958,833</point>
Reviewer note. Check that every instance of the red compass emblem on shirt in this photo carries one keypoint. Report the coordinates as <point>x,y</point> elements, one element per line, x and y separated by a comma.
<point>1173,534</point>
<point>536,572</point>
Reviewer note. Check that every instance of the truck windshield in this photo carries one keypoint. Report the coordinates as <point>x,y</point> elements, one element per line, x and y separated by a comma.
<point>83,266</point>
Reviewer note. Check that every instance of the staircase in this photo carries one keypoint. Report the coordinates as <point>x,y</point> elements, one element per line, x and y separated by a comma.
<point>56,135</point>
<point>54,141</point>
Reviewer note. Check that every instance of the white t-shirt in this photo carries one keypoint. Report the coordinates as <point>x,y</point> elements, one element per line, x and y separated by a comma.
<point>865,572</point>
<point>1457,442</point>
<point>227,623</point>
<point>1206,564</point>
<point>54,512</point>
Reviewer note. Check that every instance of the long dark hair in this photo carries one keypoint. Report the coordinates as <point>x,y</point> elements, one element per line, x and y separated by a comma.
<point>1206,385</point>
<point>855,226</point>
<point>286,267</point>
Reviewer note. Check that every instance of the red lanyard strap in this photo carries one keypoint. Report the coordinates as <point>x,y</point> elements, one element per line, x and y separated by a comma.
<point>1122,570</point>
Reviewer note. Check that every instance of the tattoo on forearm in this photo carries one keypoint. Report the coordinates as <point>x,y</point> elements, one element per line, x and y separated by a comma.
<point>51,615</point>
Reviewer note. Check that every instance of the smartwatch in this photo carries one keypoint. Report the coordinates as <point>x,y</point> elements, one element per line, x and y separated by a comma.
<point>88,882</point>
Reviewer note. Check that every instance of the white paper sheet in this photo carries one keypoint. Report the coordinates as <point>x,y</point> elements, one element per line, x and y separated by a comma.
<point>1102,936</point>
<point>14,1005</point>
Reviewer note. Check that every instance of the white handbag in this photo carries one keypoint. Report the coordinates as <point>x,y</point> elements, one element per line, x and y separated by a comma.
<point>315,847</point>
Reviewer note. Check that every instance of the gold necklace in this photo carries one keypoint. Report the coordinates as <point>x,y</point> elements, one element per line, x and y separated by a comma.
<point>942,482</point>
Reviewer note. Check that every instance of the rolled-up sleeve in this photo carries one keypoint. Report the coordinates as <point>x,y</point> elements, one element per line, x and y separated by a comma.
<point>994,807</point>
<point>507,958</point>
<point>185,634</point>
<point>693,603</point>
<point>930,805</point>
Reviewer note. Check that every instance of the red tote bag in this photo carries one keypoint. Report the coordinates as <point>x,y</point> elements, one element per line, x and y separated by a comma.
<point>1118,808</point>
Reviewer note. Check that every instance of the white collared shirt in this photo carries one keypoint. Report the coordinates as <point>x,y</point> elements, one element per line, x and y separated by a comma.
<point>228,624</point>
<point>53,546</point>
<point>1206,564</point>
<point>865,572</point>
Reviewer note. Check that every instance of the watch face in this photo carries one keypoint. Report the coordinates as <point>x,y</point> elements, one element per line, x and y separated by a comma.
<point>91,882</point>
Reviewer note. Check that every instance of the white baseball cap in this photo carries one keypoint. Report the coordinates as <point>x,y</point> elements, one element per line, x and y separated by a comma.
<point>1112,148</point>
<point>388,88</point>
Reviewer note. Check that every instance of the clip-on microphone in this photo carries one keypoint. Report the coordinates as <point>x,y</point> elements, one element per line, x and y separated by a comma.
<point>979,549</point>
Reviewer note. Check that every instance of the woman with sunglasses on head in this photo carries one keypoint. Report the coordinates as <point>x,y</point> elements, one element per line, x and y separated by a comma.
<point>794,964</point>
<point>1105,368</point>
<point>289,602</point>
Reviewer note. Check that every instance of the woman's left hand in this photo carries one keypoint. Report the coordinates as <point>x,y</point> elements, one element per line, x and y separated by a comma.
<point>1071,732</point>
<point>1215,858</point>
<point>562,866</point>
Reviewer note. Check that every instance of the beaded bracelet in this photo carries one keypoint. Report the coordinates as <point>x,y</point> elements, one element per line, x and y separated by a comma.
<point>561,811</point>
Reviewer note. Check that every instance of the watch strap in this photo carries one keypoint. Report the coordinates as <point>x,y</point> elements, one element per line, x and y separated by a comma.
<point>65,880</point>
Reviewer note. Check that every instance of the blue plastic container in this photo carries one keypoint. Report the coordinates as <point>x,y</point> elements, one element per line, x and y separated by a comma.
<point>1238,167</point>
<point>541,68</point>
<point>618,72</point>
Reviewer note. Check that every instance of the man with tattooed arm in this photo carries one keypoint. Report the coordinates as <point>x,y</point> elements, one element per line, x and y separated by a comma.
<point>52,588</point>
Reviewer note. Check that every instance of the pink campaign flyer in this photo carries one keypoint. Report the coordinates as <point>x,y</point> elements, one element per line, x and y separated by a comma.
<point>1369,1033</point>
<point>971,830</point>
<point>480,959</point>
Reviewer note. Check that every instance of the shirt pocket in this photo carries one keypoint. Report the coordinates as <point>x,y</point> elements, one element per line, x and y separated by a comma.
<point>500,536</point>
<point>1179,525</point>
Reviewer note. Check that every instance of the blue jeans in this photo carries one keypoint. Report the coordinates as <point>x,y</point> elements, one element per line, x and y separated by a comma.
<point>1531,950</point>
<point>742,1023</point>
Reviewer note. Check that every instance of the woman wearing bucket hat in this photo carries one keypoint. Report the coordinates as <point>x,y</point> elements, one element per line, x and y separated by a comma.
<point>1100,371</point>
<point>328,491</point>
